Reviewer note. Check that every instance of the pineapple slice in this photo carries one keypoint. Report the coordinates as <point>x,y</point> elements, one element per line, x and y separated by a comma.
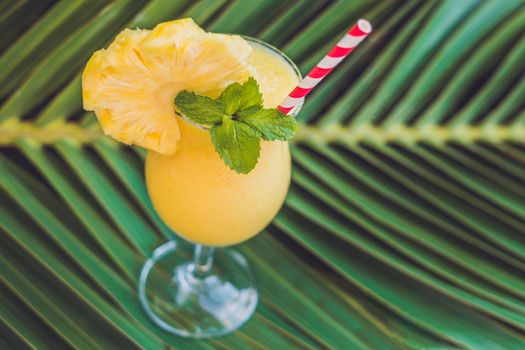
<point>132,84</point>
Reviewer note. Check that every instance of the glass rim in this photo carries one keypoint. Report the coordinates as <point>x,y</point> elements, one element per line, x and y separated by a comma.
<point>279,53</point>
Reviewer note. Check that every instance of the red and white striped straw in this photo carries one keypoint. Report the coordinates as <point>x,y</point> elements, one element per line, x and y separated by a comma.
<point>352,38</point>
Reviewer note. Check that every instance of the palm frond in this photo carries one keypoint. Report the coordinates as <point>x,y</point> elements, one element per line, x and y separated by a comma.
<point>404,224</point>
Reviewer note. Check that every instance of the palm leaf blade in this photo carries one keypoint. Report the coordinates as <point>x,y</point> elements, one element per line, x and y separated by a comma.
<point>403,226</point>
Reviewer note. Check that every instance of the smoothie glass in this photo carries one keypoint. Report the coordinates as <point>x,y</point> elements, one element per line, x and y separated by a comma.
<point>204,290</point>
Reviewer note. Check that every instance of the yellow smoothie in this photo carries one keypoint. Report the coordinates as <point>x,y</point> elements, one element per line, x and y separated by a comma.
<point>204,201</point>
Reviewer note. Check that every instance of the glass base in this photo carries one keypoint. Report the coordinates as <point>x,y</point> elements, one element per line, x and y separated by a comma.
<point>179,301</point>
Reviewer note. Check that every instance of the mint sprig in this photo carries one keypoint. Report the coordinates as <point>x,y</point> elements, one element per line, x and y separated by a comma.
<point>237,122</point>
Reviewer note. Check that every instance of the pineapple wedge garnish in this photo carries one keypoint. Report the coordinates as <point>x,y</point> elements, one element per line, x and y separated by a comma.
<point>132,84</point>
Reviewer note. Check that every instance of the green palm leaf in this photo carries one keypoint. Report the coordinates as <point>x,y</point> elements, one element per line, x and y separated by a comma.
<point>404,224</point>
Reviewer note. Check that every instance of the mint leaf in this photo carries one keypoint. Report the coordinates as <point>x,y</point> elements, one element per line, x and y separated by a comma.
<point>237,97</point>
<point>200,109</point>
<point>231,98</point>
<point>272,124</point>
<point>237,144</point>
<point>251,96</point>
<point>237,122</point>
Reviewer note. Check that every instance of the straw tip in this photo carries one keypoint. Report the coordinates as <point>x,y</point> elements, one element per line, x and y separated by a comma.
<point>364,26</point>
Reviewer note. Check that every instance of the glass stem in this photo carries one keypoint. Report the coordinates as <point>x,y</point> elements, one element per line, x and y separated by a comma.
<point>202,260</point>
